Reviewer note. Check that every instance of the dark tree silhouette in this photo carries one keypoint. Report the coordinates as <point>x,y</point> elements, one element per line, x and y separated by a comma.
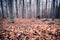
<point>53,10</point>
<point>10,3</point>
<point>38,8</point>
<point>46,12</point>
<point>57,9</point>
<point>2,8</point>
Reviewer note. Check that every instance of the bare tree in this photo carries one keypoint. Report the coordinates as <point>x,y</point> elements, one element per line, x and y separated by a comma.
<point>59,9</point>
<point>2,8</point>
<point>10,3</point>
<point>46,9</point>
<point>38,8</point>
<point>46,15</point>
<point>53,9</point>
<point>16,8</point>
<point>22,8</point>
<point>29,8</point>
<point>42,8</point>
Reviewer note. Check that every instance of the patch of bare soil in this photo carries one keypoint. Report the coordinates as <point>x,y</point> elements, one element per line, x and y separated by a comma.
<point>30,29</point>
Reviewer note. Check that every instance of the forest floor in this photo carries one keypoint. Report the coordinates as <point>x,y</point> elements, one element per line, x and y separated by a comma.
<point>30,29</point>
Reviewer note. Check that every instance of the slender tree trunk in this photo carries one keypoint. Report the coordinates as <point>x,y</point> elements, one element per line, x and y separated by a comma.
<point>22,8</point>
<point>46,14</point>
<point>7,8</point>
<point>10,3</point>
<point>16,8</point>
<point>59,9</point>
<point>57,14</point>
<point>46,10</point>
<point>53,10</point>
<point>2,8</point>
<point>29,8</point>
<point>42,15</point>
<point>38,8</point>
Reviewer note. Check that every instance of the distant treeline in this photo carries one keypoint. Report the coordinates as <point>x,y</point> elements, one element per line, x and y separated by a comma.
<point>30,8</point>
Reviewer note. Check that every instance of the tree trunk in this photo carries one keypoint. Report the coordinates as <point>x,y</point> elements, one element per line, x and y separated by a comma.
<point>10,3</point>
<point>38,8</point>
<point>16,8</point>
<point>53,14</point>
<point>22,8</point>
<point>2,8</point>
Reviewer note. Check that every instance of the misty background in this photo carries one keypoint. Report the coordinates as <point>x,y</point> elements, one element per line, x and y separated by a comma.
<point>30,8</point>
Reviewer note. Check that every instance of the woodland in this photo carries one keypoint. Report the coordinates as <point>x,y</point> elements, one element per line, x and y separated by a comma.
<point>29,19</point>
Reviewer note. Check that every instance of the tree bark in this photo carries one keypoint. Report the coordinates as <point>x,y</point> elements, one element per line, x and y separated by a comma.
<point>10,3</point>
<point>38,8</point>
